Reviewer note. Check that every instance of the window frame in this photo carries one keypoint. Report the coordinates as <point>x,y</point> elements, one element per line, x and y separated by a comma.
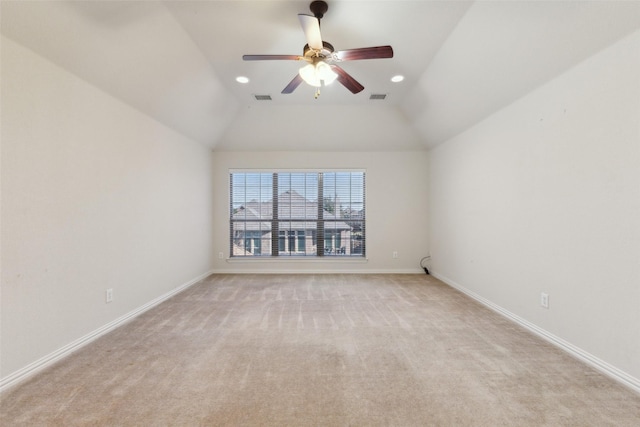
<point>356,198</point>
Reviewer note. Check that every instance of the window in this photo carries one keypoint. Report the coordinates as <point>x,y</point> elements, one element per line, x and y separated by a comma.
<point>297,214</point>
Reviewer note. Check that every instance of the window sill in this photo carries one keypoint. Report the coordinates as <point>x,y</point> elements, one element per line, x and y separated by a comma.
<point>301,259</point>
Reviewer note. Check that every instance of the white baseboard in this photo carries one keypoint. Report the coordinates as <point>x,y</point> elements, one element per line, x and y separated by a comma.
<point>602,366</point>
<point>267,270</point>
<point>48,360</point>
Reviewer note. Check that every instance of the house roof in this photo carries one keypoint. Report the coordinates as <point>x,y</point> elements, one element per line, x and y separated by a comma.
<point>302,213</point>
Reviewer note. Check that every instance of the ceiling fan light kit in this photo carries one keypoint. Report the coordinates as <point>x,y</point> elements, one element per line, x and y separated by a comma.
<point>321,57</point>
<point>317,74</point>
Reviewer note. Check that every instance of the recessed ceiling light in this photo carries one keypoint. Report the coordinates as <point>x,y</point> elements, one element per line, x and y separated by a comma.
<point>397,78</point>
<point>242,79</point>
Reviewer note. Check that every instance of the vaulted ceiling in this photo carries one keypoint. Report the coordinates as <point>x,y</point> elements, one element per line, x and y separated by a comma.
<point>177,61</point>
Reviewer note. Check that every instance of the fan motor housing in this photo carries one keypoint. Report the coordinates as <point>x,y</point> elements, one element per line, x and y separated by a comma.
<point>327,50</point>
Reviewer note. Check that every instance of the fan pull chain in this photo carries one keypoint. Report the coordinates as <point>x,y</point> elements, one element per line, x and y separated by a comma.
<point>317,94</point>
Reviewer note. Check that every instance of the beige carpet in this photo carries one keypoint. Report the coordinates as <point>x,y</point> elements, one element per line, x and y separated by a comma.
<point>320,350</point>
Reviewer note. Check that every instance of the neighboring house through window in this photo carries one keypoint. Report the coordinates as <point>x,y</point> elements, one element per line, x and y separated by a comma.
<point>312,214</point>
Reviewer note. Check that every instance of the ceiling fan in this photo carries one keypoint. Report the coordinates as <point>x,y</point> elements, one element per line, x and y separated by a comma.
<point>321,56</point>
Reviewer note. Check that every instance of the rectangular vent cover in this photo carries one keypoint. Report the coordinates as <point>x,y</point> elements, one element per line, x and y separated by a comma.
<point>262,97</point>
<point>378,96</point>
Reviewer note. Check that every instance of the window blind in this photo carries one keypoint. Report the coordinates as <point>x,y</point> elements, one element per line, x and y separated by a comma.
<point>297,214</point>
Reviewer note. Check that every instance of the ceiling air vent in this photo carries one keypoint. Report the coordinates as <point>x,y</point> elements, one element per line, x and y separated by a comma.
<point>262,97</point>
<point>378,96</point>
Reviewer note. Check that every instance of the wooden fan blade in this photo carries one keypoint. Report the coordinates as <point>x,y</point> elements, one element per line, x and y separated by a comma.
<point>346,80</point>
<point>311,27</point>
<point>365,53</point>
<point>271,57</point>
<point>293,84</point>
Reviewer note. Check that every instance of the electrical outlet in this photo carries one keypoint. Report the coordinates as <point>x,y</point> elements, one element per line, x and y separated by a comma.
<point>109,295</point>
<point>220,255</point>
<point>395,254</point>
<point>544,300</point>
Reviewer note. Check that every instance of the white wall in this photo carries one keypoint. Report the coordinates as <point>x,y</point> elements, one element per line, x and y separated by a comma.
<point>396,197</point>
<point>544,196</point>
<point>95,195</point>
